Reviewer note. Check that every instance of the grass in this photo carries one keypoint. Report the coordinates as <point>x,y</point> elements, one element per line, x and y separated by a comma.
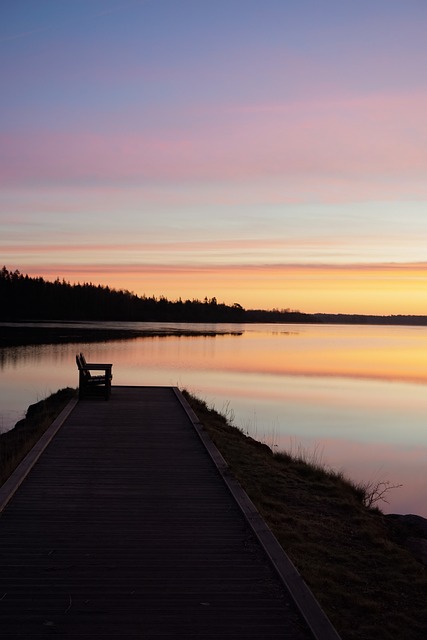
<point>350,555</point>
<point>16,443</point>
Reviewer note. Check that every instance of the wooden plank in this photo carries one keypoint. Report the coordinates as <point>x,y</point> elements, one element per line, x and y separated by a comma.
<point>124,528</point>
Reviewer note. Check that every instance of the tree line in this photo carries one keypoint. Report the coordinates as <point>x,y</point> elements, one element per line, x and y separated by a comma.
<point>34,298</point>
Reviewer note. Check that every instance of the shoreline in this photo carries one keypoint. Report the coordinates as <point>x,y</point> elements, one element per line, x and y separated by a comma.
<point>15,336</point>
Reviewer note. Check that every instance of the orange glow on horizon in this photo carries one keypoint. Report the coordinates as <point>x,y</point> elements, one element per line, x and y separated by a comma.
<point>383,289</point>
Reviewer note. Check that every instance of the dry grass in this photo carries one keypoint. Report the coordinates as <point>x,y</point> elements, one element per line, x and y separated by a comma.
<point>16,443</point>
<point>369,586</point>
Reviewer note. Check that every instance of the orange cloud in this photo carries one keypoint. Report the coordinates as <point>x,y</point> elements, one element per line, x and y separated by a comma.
<point>235,246</point>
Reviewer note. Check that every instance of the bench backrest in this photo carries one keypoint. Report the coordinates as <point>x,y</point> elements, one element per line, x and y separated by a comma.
<point>81,363</point>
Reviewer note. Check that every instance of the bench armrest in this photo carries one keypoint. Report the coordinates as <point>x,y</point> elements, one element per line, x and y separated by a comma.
<point>96,366</point>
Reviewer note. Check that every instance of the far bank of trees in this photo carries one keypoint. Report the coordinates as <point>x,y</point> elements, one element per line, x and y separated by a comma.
<point>25,298</point>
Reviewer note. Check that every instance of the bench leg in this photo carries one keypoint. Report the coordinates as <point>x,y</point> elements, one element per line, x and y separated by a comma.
<point>107,389</point>
<point>81,385</point>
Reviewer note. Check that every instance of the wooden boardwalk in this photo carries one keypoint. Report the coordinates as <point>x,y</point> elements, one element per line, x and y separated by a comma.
<point>124,528</point>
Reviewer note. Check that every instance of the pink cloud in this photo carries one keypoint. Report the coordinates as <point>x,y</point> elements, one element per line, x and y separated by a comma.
<point>416,270</point>
<point>355,144</point>
<point>199,246</point>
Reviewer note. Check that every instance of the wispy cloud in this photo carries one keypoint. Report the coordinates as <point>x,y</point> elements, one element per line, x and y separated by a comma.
<point>122,6</point>
<point>22,34</point>
<point>348,149</point>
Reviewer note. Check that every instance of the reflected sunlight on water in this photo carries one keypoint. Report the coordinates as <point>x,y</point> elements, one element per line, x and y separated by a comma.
<point>358,393</point>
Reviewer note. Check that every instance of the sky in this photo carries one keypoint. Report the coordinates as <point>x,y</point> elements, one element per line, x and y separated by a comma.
<point>267,152</point>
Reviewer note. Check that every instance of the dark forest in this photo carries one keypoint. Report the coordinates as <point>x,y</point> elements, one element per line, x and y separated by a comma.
<point>26,298</point>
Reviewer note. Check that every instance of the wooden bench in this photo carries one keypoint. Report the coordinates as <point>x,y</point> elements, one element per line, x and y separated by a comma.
<point>89,384</point>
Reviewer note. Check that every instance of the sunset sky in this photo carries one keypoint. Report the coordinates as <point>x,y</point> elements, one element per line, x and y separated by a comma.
<point>266,152</point>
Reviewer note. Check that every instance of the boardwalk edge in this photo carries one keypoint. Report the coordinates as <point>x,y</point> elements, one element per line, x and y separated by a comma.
<point>316,619</point>
<point>12,484</point>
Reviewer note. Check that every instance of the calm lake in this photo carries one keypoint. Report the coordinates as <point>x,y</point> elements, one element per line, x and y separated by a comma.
<point>353,397</point>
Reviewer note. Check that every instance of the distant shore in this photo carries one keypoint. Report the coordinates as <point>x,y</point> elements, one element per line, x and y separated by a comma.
<point>26,298</point>
<point>27,332</point>
<point>347,318</point>
<point>20,334</point>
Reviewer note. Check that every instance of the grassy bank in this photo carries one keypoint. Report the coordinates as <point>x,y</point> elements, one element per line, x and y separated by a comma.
<point>16,443</point>
<point>350,556</point>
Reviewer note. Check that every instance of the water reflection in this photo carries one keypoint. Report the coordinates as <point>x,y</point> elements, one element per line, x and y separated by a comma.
<point>357,393</point>
<point>404,467</point>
